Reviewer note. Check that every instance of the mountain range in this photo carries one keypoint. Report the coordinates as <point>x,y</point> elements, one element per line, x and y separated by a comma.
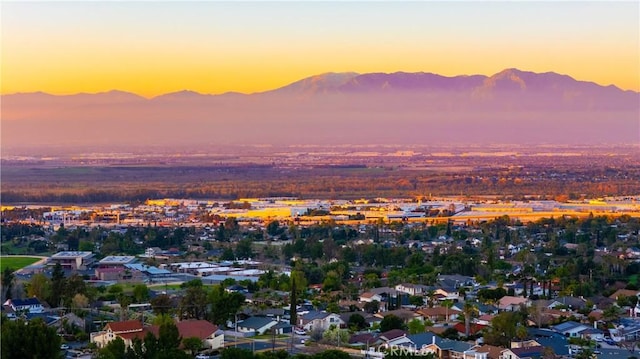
<point>512,106</point>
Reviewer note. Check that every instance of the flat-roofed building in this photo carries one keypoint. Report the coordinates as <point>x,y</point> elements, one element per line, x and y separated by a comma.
<point>73,260</point>
<point>115,261</point>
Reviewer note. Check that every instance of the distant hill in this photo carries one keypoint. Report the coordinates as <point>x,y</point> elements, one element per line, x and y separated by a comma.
<point>512,106</point>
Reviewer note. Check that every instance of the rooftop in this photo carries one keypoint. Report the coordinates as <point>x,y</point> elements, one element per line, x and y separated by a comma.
<point>117,259</point>
<point>71,255</point>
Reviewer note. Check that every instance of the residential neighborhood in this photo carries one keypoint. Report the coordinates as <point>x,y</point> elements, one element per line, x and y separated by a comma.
<point>499,289</point>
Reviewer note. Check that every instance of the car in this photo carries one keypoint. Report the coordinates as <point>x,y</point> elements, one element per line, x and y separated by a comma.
<point>64,347</point>
<point>202,356</point>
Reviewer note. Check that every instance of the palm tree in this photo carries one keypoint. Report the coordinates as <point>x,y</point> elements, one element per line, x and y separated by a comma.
<point>447,303</point>
<point>612,313</point>
<point>431,296</point>
<point>470,311</point>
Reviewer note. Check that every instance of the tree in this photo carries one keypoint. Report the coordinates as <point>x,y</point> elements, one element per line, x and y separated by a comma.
<point>273,227</point>
<point>357,322</point>
<point>28,339</point>
<point>115,349</point>
<point>371,280</point>
<point>73,285</point>
<point>124,301</point>
<point>223,304</point>
<point>416,326</point>
<point>447,303</point>
<point>503,328</point>
<point>7,282</point>
<point>391,321</point>
<point>39,286</point>
<point>293,310</point>
<point>372,307</point>
<point>336,335</point>
<point>192,344</point>
<point>612,313</point>
<point>161,304</point>
<point>243,249</point>
<point>169,337</point>
<point>140,293</point>
<point>236,353</point>
<point>57,285</point>
<point>194,302</point>
<point>470,311</point>
<point>227,254</point>
<point>416,300</point>
<point>79,301</point>
<point>331,282</point>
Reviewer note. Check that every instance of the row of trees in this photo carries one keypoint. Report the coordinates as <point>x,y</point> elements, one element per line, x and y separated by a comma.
<point>216,305</point>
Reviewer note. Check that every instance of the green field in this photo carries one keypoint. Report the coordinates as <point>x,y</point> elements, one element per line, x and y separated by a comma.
<point>16,262</point>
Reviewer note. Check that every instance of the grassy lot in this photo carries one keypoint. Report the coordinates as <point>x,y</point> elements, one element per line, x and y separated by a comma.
<point>16,262</point>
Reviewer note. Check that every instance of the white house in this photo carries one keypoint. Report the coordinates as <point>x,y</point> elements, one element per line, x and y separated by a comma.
<point>31,305</point>
<point>319,320</point>
<point>570,328</point>
<point>258,325</point>
<point>411,289</point>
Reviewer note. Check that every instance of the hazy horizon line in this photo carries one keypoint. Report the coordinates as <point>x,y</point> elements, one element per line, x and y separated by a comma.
<point>303,78</point>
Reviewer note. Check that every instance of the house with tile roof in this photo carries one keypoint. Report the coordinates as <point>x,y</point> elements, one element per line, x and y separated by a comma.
<point>127,330</point>
<point>492,352</point>
<point>624,293</point>
<point>439,314</point>
<point>211,335</point>
<point>511,304</point>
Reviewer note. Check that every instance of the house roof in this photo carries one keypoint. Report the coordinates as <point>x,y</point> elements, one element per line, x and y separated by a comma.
<point>510,300</point>
<point>525,352</point>
<point>126,326</point>
<point>486,317</point>
<point>255,322</point>
<point>21,302</point>
<point>573,302</point>
<point>403,314</point>
<point>392,334</point>
<point>140,334</point>
<point>196,328</point>
<point>314,314</point>
<point>422,339</point>
<point>473,328</point>
<point>382,290</point>
<point>346,315</point>
<point>455,345</point>
<point>362,338</point>
<point>624,292</point>
<point>568,326</point>
<point>428,312</point>
<point>596,314</point>
<point>492,351</point>
<point>282,325</point>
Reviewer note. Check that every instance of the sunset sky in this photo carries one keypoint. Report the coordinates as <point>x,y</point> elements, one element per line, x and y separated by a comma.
<point>151,48</point>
